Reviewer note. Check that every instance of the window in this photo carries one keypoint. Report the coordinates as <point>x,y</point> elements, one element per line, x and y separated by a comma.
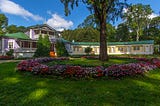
<point>74,48</point>
<point>136,48</point>
<point>25,44</point>
<point>10,45</point>
<point>120,49</point>
<point>112,50</point>
<point>36,31</point>
<point>80,49</point>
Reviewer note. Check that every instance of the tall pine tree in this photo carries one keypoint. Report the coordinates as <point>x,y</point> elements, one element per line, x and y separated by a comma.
<point>43,47</point>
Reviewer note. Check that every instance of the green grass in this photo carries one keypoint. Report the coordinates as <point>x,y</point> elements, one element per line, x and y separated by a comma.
<point>92,62</point>
<point>22,88</point>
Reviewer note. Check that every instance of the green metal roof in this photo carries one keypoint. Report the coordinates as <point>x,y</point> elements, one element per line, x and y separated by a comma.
<point>115,43</point>
<point>18,35</point>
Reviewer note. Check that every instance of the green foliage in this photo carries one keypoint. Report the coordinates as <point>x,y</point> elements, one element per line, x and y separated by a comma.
<point>15,29</point>
<point>122,33</point>
<point>156,51</point>
<point>88,50</point>
<point>110,32</point>
<point>137,17</point>
<point>61,49</point>
<point>87,34</point>
<point>10,52</point>
<point>43,47</point>
<point>152,31</point>
<point>3,23</point>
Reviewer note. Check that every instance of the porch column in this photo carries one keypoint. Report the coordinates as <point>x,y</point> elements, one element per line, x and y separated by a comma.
<point>30,45</point>
<point>30,33</point>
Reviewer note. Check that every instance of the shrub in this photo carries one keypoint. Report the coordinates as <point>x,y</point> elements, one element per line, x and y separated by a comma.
<point>61,49</point>
<point>43,47</point>
<point>88,50</point>
<point>10,52</point>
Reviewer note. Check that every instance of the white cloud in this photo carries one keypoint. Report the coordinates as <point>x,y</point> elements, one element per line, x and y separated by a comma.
<point>7,6</point>
<point>59,23</point>
<point>153,15</point>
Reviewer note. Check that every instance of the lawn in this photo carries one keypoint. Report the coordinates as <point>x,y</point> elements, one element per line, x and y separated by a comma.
<point>92,62</point>
<point>22,88</point>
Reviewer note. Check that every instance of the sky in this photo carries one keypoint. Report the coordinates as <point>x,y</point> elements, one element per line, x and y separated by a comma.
<point>33,12</point>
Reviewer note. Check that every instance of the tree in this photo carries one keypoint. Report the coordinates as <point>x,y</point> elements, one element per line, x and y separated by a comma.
<point>12,29</point>
<point>15,29</point>
<point>110,32</point>
<point>153,30</point>
<point>61,49</point>
<point>47,44</point>
<point>43,46</point>
<point>104,11</point>
<point>3,23</point>
<point>87,34</point>
<point>122,33</point>
<point>137,16</point>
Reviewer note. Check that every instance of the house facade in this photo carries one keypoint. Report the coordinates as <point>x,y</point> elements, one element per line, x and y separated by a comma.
<point>25,44</point>
<point>115,48</point>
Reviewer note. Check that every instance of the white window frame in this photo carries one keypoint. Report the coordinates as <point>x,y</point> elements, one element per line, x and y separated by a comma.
<point>12,46</point>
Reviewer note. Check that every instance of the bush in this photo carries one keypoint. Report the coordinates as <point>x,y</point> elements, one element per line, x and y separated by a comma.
<point>88,50</point>
<point>61,49</point>
<point>10,52</point>
<point>43,47</point>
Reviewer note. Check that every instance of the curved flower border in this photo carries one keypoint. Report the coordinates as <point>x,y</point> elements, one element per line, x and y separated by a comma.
<point>36,66</point>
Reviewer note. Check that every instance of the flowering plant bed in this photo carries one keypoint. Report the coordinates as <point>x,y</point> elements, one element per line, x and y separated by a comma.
<point>28,65</point>
<point>114,71</point>
<point>6,57</point>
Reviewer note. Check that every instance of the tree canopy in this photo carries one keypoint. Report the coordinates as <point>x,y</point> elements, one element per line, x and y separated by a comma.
<point>137,17</point>
<point>15,29</point>
<point>3,23</point>
<point>87,34</point>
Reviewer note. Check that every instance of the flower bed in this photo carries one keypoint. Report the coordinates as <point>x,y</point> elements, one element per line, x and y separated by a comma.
<point>28,65</point>
<point>6,57</point>
<point>116,71</point>
<point>128,69</point>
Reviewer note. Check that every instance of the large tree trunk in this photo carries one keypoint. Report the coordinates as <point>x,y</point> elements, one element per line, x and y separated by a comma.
<point>103,42</point>
<point>101,15</point>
